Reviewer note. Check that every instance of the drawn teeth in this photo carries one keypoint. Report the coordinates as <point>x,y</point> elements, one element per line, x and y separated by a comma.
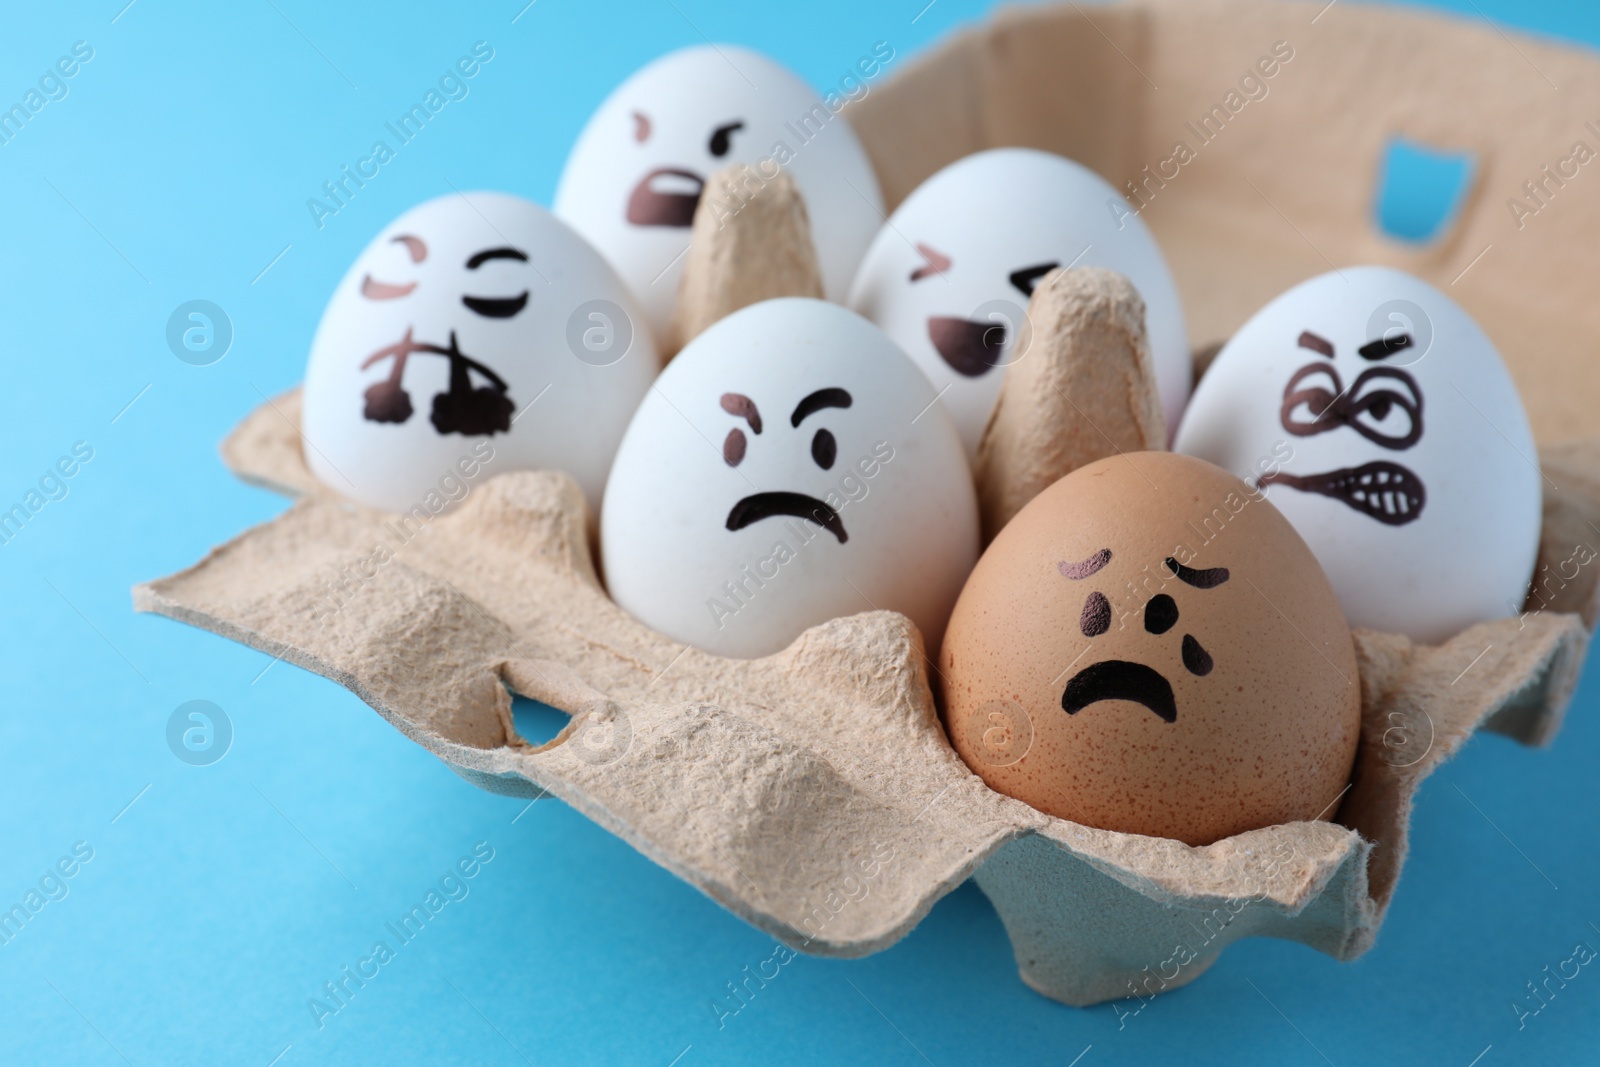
<point>1386,491</point>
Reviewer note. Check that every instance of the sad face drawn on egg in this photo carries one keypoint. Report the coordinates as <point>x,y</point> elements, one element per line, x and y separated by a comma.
<point>668,195</point>
<point>973,347</point>
<point>1149,647</point>
<point>1383,404</point>
<point>463,408</point>
<point>774,503</point>
<point>1120,679</point>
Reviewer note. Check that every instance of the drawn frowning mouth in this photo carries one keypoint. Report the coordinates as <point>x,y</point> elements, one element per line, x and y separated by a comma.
<point>971,348</point>
<point>1382,490</point>
<point>760,506</point>
<point>651,205</point>
<point>1120,679</point>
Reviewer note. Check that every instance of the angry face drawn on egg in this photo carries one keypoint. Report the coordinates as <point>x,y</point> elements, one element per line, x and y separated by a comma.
<point>634,178</point>
<point>789,467</point>
<point>1148,647</point>
<point>949,277</point>
<point>1380,419</point>
<point>824,450</point>
<point>476,334</point>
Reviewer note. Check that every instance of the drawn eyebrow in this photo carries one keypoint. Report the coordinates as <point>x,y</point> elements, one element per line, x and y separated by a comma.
<point>822,398</point>
<point>937,263</point>
<point>745,408</point>
<point>1316,344</point>
<point>1385,346</point>
<point>1206,579</point>
<point>487,254</point>
<point>1084,567</point>
<point>414,247</point>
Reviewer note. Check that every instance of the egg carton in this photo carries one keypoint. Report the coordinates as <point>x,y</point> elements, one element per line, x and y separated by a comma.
<point>813,792</point>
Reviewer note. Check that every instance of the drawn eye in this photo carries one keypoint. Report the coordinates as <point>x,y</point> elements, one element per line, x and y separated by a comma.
<point>1311,392</point>
<point>1096,616</point>
<point>496,307</point>
<point>824,449</point>
<point>1387,416</point>
<point>719,138</point>
<point>733,447</point>
<point>376,290</point>
<point>1025,279</point>
<point>1161,614</point>
<point>641,127</point>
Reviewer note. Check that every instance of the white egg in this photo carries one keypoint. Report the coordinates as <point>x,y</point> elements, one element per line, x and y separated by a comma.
<point>476,334</point>
<point>791,466</point>
<point>635,174</point>
<point>1380,420</point>
<point>950,275</point>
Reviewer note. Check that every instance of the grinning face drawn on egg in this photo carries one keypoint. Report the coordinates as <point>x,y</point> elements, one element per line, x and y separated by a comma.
<point>949,277</point>
<point>476,334</point>
<point>1149,647</point>
<point>634,178</point>
<point>789,467</point>
<point>1380,419</point>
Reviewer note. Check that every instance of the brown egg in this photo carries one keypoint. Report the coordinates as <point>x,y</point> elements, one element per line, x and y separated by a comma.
<point>1149,647</point>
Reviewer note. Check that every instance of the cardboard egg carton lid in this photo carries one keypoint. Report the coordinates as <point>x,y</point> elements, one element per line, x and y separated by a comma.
<point>1286,185</point>
<point>813,792</point>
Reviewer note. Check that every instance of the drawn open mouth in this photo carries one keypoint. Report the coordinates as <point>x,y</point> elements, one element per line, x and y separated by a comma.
<point>760,506</point>
<point>464,409</point>
<point>1120,679</point>
<point>666,196</point>
<point>971,348</point>
<point>1382,490</point>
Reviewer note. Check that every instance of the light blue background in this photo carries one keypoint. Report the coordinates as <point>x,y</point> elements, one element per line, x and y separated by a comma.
<point>220,901</point>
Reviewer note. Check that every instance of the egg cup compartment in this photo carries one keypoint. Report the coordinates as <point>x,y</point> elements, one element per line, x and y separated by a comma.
<point>813,792</point>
